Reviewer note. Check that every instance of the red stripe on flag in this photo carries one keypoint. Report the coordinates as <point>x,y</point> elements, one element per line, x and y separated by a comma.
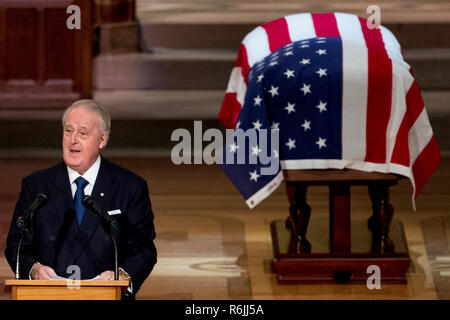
<point>242,61</point>
<point>425,164</point>
<point>379,94</point>
<point>230,110</point>
<point>414,107</point>
<point>231,107</point>
<point>414,103</point>
<point>278,34</point>
<point>400,154</point>
<point>325,25</point>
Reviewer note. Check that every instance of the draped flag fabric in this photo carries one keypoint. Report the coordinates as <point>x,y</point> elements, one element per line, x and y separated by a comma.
<point>339,94</point>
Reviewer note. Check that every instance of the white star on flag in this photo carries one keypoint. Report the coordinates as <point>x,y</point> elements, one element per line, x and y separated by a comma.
<point>256,150</point>
<point>306,125</point>
<point>321,72</point>
<point>305,61</point>
<point>260,77</point>
<point>289,53</point>
<point>290,107</point>
<point>275,126</point>
<point>233,147</point>
<point>322,106</point>
<point>321,143</point>
<point>321,51</point>
<point>289,73</point>
<point>257,100</point>
<point>273,63</point>
<point>290,144</point>
<point>273,91</point>
<point>306,88</point>
<point>304,46</point>
<point>257,125</point>
<point>254,176</point>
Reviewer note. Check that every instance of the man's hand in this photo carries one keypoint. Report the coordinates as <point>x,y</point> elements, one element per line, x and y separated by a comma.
<point>41,272</point>
<point>109,275</point>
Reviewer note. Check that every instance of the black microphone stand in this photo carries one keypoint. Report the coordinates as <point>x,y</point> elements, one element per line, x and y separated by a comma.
<point>25,230</point>
<point>107,227</point>
<point>116,263</point>
<point>24,222</point>
<point>107,224</point>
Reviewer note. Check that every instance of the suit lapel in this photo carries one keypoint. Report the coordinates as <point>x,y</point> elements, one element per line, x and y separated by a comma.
<point>65,226</point>
<point>103,189</point>
<point>60,192</point>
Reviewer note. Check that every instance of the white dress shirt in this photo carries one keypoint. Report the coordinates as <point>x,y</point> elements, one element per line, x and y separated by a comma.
<point>90,175</point>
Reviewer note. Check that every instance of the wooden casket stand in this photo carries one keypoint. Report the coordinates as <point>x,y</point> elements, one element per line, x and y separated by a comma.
<point>295,258</point>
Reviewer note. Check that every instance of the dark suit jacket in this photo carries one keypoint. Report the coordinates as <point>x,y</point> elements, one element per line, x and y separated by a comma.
<point>57,241</point>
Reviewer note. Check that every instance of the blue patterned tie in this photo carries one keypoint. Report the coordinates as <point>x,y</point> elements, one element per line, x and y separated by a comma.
<point>79,194</point>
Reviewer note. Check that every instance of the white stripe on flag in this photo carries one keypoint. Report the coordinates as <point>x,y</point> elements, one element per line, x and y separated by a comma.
<point>233,83</point>
<point>392,46</point>
<point>349,27</point>
<point>237,84</point>
<point>257,45</point>
<point>307,164</point>
<point>419,135</point>
<point>401,82</point>
<point>242,91</point>
<point>354,87</point>
<point>300,26</point>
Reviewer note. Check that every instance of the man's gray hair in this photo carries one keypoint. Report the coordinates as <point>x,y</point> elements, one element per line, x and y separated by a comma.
<point>93,106</point>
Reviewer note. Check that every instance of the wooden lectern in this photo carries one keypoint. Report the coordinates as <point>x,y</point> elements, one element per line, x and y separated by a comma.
<point>65,290</point>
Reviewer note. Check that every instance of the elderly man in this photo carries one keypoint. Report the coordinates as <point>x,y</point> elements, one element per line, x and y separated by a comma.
<point>64,232</point>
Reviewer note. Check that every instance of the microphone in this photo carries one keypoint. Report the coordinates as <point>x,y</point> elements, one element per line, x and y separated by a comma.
<point>38,202</point>
<point>90,203</point>
<point>24,221</point>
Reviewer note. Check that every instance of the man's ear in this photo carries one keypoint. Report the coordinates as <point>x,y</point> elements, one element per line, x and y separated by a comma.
<point>103,140</point>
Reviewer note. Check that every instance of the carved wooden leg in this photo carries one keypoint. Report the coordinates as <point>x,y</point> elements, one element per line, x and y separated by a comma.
<point>299,214</point>
<point>381,219</point>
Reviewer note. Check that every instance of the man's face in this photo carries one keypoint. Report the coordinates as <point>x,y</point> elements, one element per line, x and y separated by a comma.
<point>82,139</point>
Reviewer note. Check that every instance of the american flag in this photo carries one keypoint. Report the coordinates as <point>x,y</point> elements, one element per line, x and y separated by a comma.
<point>340,94</point>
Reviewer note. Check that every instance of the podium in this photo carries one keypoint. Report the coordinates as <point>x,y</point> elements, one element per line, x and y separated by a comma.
<point>65,290</point>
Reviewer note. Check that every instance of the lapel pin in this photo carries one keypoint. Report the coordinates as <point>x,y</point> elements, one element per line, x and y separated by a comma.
<point>102,194</point>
